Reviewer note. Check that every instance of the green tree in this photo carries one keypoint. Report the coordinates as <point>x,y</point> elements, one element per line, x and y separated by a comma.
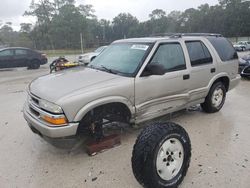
<point>124,25</point>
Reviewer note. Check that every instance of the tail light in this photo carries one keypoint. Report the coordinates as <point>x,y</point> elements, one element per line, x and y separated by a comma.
<point>44,55</point>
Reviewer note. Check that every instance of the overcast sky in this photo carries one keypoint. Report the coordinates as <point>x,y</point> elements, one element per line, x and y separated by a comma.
<point>12,10</point>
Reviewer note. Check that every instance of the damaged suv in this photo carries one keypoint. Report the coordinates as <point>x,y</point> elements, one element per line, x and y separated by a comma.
<point>132,81</point>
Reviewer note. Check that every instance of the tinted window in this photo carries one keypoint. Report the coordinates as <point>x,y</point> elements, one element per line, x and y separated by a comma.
<point>198,53</point>
<point>224,48</point>
<point>6,53</point>
<point>21,52</point>
<point>170,56</point>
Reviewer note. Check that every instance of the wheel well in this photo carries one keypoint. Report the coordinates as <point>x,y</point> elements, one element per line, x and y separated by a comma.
<point>35,60</point>
<point>116,112</point>
<point>92,58</point>
<point>224,80</point>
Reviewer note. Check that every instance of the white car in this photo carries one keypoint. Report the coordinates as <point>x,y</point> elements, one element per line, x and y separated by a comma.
<point>242,46</point>
<point>88,57</point>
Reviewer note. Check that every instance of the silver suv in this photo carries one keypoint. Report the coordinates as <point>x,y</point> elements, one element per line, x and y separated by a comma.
<point>132,81</point>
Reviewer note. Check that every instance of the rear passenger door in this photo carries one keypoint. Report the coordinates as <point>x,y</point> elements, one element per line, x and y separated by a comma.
<point>226,56</point>
<point>202,68</point>
<point>21,58</point>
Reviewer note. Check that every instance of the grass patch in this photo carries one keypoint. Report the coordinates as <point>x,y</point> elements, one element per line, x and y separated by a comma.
<point>64,52</point>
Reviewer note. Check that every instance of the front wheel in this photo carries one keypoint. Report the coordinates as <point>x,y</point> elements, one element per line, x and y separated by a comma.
<point>35,64</point>
<point>215,98</point>
<point>161,155</point>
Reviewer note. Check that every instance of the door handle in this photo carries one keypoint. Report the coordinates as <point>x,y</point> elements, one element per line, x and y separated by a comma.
<point>186,77</point>
<point>212,70</point>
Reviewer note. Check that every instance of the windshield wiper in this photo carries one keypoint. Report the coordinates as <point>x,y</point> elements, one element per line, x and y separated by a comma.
<point>108,70</point>
<point>91,66</point>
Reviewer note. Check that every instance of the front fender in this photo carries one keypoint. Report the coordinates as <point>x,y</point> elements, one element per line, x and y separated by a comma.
<point>102,101</point>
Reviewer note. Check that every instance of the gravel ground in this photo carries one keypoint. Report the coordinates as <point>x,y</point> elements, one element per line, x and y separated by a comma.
<point>220,146</point>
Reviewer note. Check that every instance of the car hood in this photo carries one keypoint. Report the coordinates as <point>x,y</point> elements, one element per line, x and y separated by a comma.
<point>53,87</point>
<point>238,45</point>
<point>90,54</point>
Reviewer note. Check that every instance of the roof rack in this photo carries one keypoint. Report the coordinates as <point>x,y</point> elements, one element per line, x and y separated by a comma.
<point>179,35</point>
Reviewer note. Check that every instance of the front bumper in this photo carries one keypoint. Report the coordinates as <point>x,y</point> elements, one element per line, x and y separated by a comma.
<point>234,82</point>
<point>43,129</point>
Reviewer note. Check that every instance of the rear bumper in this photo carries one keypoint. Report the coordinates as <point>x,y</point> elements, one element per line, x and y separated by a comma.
<point>234,82</point>
<point>44,61</point>
<point>42,129</point>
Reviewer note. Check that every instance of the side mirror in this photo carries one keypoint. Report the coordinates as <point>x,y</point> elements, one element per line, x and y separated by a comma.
<point>154,69</point>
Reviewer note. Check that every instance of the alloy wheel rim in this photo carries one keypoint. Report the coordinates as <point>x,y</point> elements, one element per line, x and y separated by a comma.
<point>217,97</point>
<point>169,159</point>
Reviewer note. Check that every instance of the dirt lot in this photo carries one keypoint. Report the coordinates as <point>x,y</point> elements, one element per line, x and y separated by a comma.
<point>220,143</point>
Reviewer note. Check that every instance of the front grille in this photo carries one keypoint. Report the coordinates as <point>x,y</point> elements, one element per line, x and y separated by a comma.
<point>36,101</point>
<point>34,112</point>
<point>34,105</point>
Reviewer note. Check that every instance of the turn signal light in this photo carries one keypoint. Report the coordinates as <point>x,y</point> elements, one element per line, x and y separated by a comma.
<point>55,121</point>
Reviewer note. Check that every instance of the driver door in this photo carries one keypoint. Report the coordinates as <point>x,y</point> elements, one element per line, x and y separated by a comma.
<point>156,95</point>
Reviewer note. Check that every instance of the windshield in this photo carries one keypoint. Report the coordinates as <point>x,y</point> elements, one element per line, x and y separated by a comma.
<point>121,58</point>
<point>241,43</point>
<point>100,49</point>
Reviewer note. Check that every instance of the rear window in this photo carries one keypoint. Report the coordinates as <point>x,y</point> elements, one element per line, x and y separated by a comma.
<point>224,48</point>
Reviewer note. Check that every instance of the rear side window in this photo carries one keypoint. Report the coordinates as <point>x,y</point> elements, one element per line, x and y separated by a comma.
<point>171,56</point>
<point>198,53</point>
<point>224,48</point>
<point>21,52</point>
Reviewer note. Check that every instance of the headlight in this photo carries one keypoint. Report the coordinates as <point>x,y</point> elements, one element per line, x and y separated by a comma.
<point>48,106</point>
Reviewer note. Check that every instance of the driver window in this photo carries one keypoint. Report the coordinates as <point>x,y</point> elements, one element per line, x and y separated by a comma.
<point>171,56</point>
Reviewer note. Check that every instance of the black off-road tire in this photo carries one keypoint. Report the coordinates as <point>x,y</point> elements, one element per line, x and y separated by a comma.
<point>208,106</point>
<point>145,153</point>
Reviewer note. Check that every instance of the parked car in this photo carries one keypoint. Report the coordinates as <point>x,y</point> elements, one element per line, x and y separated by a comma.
<point>245,73</point>
<point>242,46</point>
<point>243,62</point>
<point>88,57</point>
<point>132,81</point>
<point>21,57</point>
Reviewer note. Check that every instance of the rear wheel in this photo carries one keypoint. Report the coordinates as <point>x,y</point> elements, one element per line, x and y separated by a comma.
<point>215,98</point>
<point>161,155</point>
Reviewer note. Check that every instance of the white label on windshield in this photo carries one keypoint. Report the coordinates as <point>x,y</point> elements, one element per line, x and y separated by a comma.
<point>139,47</point>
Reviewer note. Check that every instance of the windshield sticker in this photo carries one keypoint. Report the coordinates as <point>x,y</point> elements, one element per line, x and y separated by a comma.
<point>139,47</point>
